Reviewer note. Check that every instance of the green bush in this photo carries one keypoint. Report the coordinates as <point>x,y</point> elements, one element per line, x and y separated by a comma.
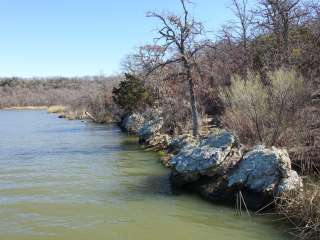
<point>132,95</point>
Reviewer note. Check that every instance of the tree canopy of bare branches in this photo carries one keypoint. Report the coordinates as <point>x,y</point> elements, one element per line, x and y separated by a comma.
<point>180,39</point>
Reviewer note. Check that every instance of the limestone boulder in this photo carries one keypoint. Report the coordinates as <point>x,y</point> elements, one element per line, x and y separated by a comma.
<point>132,123</point>
<point>211,156</point>
<point>265,170</point>
<point>179,142</point>
<point>149,129</point>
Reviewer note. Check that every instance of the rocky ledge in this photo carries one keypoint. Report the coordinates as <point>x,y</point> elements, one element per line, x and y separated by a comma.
<point>217,166</point>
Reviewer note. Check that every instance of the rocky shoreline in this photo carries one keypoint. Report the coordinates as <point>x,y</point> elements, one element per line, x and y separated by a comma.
<point>216,165</point>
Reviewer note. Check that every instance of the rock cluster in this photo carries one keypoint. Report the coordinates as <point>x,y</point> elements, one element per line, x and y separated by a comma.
<point>217,166</point>
<point>218,169</point>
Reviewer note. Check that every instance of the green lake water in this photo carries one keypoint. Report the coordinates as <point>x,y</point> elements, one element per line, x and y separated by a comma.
<point>71,180</point>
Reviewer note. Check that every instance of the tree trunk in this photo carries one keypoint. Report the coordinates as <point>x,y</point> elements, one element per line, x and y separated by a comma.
<point>193,102</point>
<point>285,50</point>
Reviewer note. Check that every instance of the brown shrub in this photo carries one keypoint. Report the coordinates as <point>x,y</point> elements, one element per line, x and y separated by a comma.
<point>267,111</point>
<point>243,125</point>
<point>303,211</point>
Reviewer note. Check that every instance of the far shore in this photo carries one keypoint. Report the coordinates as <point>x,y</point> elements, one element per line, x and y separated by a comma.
<point>25,108</point>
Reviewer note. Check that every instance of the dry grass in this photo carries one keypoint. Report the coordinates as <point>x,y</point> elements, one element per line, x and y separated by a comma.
<point>303,211</point>
<point>27,108</point>
<point>57,109</point>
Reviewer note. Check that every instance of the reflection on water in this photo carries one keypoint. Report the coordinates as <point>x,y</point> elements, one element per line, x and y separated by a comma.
<point>74,180</point>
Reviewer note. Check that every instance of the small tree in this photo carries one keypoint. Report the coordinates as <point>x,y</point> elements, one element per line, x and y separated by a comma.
<point>131,95</point>
<point>278,17</point>
<point>179,38</point>
<point>242,28</point>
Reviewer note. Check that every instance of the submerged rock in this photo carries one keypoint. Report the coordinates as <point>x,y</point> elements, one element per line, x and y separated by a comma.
<point>208,157</point>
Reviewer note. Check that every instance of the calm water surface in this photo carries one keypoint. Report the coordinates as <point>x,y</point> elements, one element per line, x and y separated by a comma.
<point>68,180</point>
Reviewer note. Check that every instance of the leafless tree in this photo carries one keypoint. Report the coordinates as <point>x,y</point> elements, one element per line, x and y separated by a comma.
<point>242,27</point>
<point>180,38</point>
<point>278,17</point>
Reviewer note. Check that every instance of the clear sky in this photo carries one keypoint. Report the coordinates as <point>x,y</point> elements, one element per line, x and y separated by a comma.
<point>83,37</point>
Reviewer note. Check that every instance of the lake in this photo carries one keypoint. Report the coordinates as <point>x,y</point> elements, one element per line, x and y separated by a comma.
<point>68,180</point>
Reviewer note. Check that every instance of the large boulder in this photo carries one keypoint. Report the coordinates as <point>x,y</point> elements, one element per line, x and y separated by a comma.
<point>158,141</point>
<point>265,171</point>
<point>209,157</point>
<point>149,129</point>
<point>145,125</point>
<point>132,123</point>
<point>179,142</point>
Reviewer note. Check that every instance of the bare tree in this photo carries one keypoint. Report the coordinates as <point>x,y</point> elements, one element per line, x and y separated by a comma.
<point>180,38</point>
<point>242,27</point>
<point>278,17</point>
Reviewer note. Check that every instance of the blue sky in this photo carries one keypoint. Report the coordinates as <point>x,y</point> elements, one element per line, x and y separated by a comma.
<point>83,37</point>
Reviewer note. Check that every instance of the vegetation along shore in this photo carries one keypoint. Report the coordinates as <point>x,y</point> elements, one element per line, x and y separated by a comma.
<point>237,118</point>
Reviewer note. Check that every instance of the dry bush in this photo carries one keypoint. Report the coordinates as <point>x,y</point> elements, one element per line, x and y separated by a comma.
<point>288,94</point>
<point>302,209</point>
<point>245,127</point>
<point>57,109</point>
<point>98,102</point>
<point>303,140</point>
<point>249,99</point>
<point>270,110</point>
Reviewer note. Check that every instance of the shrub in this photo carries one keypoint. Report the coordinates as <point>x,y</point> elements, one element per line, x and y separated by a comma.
<point>287,94</point>
<point>249,99</point>
<point>132,95</point>
<point>57,109</point>
<point>267,111</point>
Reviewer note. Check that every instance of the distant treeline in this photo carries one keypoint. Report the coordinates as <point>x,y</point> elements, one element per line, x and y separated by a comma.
<point>19,92</point>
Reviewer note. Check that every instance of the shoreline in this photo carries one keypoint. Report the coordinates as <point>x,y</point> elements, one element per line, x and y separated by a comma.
<point>150,140</point>
<point>25,108</point>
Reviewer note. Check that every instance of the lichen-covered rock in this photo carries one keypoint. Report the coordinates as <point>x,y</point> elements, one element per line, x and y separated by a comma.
<point>133,123</point>
<point>149,129</point>
<point>214,155</point>
<point>180,141</point>
<point>263,170</point>
<point>158,141</point>
<point>292,183</point>
<point>216,169</point>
